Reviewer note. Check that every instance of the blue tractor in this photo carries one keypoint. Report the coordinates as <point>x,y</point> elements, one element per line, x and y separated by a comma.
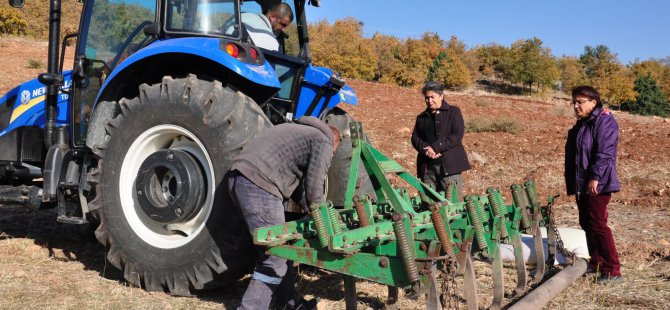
<point>136,139</point>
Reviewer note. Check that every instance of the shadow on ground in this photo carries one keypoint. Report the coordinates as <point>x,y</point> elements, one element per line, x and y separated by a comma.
<point>77,243</point>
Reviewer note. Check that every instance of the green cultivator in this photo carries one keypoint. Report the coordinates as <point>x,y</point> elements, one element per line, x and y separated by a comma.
<point>420,244</point>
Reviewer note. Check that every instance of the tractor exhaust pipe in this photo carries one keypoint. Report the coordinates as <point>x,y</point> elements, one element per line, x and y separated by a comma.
<point>544,293</point>
<point>52,78</point>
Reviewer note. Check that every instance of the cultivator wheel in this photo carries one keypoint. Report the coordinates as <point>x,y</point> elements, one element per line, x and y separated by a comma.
<point>421,244</point>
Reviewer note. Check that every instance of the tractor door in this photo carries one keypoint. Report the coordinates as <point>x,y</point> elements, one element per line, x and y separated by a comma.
<point>289,62</point>
<point>111,30</point>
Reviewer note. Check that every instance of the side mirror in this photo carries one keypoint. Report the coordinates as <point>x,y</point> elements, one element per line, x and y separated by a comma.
<point>16,3</point>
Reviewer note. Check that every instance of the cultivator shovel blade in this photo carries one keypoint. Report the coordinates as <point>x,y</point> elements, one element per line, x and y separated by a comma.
<point>520,264</point>
<point>538,243</point>
<point>498,280</point>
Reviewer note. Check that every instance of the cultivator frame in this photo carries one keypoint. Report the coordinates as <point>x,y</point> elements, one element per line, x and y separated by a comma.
<point>415,243</point>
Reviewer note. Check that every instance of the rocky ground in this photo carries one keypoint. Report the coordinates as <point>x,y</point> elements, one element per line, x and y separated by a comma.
<point>47,265</point>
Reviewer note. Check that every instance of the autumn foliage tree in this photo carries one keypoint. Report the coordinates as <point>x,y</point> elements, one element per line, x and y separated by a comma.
<point>604,72</point>
<point>656,70</point>
<point>528,63</point>
<point>343,48</point>
<point>12,22</point>
<point>490,56</point>
<point>572,73</point>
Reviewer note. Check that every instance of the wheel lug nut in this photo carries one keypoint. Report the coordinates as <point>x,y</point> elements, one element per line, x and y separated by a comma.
<point>139,193</point>
<point>170,156</point>
<point>165,189</point>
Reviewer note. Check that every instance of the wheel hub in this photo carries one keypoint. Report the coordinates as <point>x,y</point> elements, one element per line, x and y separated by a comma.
<point>170,186</point>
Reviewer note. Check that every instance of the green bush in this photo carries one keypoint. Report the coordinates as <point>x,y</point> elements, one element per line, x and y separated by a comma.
<point>492,125</point>
<point>650,99</point>
<point>11,22</point>
<point>35,64</point>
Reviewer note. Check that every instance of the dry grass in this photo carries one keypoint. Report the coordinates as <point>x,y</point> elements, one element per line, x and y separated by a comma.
<point>492,125</point>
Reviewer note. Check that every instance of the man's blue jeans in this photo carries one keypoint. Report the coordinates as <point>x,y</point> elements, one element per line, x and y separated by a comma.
<point>271,274</point>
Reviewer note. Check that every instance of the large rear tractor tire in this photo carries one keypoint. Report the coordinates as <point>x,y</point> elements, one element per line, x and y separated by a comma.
<point>338,174</point>
<point>163,208</point>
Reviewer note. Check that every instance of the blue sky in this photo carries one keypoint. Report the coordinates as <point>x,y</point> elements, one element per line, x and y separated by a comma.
<point>631,29</point>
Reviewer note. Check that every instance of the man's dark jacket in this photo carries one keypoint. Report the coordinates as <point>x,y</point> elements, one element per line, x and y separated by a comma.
<point>281,156</point>
<point>590,153</point>
<point>449,130</point>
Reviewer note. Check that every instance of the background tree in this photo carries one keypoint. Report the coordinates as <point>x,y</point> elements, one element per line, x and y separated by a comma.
<point>389,65</point>
<point>650,99</point>
<point>458,51</point>
<point>656,70</point>
<point>451,71</point>
<point>415,56</point>
<point>572,73</point>
<point>490,56</point>
<point>605,73</point>
<point>11,22</point>
<point>343,48</point>
<point>36,15</point>
<point>528,63</point>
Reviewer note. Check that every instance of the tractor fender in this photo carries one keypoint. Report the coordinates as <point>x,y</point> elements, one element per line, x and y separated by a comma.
<point>24,105</point>
<point>318,83</point>
<point>258,81</point>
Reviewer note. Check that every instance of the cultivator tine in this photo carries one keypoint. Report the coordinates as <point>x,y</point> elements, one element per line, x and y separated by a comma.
<point>498,279</point>
<point>522,274</point>
<point>392,297</point>
<point>469,285</point>
<point>432,291</point>
<point>350,296</point>
<point>539,254</point>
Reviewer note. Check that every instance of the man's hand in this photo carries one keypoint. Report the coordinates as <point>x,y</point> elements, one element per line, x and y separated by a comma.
<point>592,188</point>
<point>430,153</point>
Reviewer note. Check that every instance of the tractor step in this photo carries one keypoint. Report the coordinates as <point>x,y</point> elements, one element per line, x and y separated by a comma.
<point>27,196</point>
<point>71,220</point>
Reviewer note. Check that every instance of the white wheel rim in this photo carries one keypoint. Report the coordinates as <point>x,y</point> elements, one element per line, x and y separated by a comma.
<point>152,232</point>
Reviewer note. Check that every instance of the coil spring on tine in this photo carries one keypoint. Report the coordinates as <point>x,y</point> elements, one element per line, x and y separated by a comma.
<point>520,202</point>
<point>442,230</point>
<point>320,224</point>
<point>335,221</point>
<point>363,217</point>
<point>532,194</point>
<point>405,250</point>
<point>498,211</point>
<point>449,190</point>
<point>473,211</point>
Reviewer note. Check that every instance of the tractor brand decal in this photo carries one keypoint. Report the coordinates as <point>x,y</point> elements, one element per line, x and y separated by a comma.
<point>25,96</point>
<point>31,98</point>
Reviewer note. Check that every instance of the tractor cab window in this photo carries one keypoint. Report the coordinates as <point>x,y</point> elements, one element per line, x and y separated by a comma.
<point>114,33</point>
<point>258,28</point>
<point>203,17</point>
<point>116,29</point>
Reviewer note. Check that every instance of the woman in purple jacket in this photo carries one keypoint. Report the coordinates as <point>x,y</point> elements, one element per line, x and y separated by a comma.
<point>590,173</point>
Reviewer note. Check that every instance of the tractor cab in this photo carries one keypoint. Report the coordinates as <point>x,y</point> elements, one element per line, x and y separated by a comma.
<point>113,30</point>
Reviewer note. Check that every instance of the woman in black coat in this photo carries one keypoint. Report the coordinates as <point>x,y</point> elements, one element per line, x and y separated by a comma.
<point>438,139</point>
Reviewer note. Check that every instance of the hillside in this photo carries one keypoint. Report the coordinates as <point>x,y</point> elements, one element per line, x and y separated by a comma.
<point>43,265</point>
